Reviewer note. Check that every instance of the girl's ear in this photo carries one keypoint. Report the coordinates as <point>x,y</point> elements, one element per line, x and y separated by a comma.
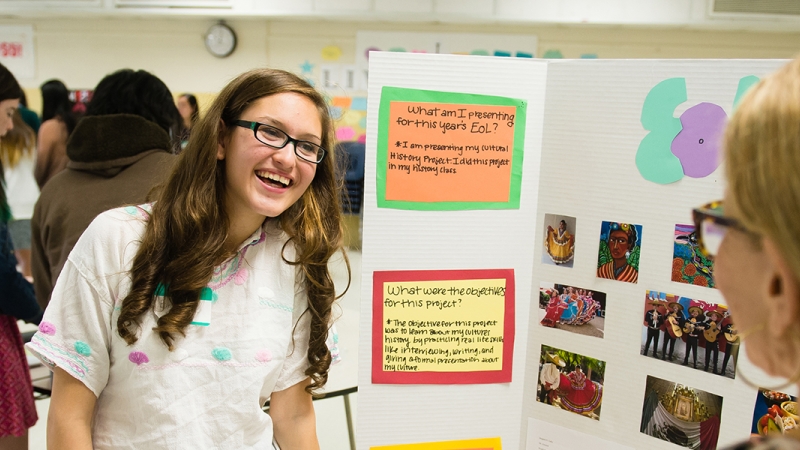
<point>221,141</point>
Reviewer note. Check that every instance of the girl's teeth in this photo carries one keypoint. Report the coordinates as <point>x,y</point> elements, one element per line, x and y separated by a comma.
<point>270,176</point>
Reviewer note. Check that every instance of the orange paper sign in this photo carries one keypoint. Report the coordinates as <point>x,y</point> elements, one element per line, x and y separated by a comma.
<point>440,152</point>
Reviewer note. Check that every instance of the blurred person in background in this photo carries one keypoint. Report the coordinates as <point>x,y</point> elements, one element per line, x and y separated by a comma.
<point>119,151</point>
<point>18,156</point>
<point>29,117</point>
<point>58,121</point>
<point>17,411</point>
<point>190,113</point>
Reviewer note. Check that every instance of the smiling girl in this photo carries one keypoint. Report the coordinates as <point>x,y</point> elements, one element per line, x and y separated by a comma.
<point>171,325</point>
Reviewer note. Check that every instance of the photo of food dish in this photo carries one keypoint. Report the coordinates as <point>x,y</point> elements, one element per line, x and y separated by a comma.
<point>774,413</point>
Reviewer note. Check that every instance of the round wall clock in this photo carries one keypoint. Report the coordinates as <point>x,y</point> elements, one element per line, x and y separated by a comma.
<point>220,40</point>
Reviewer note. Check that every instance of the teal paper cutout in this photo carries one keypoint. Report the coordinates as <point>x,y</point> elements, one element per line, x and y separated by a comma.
<point>654,158</point>
<point>524,55</point>
<point>745,83</point>
<point>553,54</point>
<point>306,67</point>
<point>501,53</point>
<point>359,104</point>
<point>589,56</point>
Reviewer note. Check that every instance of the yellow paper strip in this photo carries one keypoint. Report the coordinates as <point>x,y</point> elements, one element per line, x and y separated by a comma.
<point>469,444</point>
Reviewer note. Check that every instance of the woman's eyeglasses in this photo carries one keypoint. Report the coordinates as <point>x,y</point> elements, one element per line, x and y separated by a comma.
<point>277,138</point>
<point>710,227</point>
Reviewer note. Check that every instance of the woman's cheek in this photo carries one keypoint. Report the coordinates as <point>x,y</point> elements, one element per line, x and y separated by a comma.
<point>726,268</point>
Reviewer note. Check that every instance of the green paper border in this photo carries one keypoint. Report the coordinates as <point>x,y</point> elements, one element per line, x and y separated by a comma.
<point>390,94</point>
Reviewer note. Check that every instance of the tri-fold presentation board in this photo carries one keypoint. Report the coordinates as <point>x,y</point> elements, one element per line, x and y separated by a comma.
<point>531,278</point>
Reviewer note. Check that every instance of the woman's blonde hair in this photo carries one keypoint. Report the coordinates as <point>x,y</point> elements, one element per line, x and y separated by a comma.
<point>762,144</point>
<point>184,239</point>
<point>19,141</point>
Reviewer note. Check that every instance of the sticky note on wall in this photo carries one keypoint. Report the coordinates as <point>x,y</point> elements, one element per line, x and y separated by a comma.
<point>449,151</point>
<point>443,327</point>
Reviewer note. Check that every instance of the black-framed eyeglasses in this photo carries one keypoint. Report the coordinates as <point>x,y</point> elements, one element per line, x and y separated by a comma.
<point>277,138</point>
<point>711,225</point>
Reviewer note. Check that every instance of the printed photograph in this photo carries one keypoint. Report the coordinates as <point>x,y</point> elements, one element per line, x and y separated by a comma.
<point>688,263</point>
<point>775,413</point>
<point>571,382</point>
<point>620,246</point>
<point>689,332</point>
<point>559,240</point>
<point>572,308</point>
<point>680,414</point>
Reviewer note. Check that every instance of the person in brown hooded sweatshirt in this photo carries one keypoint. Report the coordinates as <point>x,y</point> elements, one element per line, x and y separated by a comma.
<point>118,152</point>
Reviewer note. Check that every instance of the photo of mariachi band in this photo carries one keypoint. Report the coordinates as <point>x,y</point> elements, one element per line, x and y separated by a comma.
<point>689,332</point>
<point>689,265</point>
<point>573,309</point>
<point>620,246</point>
<point>571,382</point>
<point>559,240</point>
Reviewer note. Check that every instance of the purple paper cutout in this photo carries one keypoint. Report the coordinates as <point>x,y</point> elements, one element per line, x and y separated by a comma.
<point>697,145</point>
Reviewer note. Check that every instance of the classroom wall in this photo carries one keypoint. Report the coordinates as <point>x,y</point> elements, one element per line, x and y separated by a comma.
<point>81,51</point>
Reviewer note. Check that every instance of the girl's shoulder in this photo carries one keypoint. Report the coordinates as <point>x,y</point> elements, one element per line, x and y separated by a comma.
<point>121,221</point>
<point>54,125</point>
<point>112,235</point>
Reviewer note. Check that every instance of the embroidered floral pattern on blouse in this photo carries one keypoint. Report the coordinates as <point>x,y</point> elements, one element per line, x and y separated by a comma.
<point>275,305</point>
<point>141,211</point>
<point>61,356</point>
<point>233,269</point>
<point>221,354</point>
<point>264,355</point>
<point>47,328</point>
<point>138,358</point>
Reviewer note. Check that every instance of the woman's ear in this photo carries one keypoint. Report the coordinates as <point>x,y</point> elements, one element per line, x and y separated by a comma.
<point>221,141</point>
<point>782,292</point>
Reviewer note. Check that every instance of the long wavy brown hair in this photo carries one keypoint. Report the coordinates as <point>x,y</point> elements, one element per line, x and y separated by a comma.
<point>185,236</point>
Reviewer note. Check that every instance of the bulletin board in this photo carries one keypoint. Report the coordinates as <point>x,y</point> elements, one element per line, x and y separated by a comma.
<point>615,156</point>
<point>432,240</point>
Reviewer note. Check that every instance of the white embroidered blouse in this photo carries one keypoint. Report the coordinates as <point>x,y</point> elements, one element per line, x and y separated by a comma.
<point>207,393</point>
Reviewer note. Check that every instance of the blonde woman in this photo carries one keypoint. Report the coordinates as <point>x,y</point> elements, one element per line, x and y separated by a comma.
<point>18,155</point>
<point>755,239</point>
